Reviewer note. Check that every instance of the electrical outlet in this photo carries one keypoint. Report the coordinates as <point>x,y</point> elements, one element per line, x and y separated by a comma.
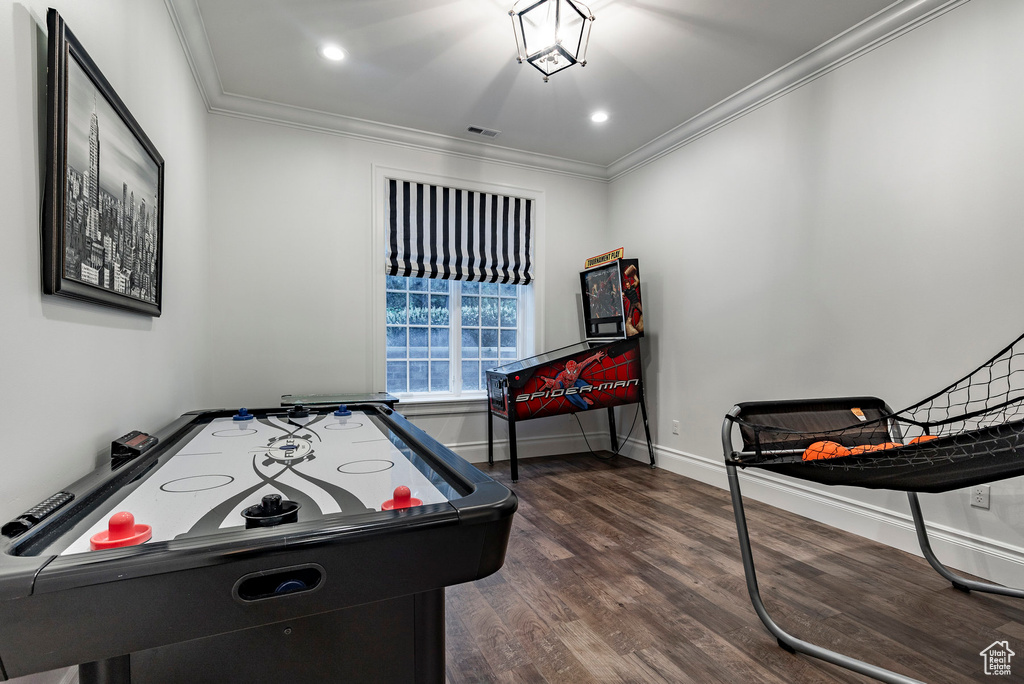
<point>980,496</point>
<point>675,427</point>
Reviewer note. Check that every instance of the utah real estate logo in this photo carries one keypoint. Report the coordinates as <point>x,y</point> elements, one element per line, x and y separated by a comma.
<point>997,658</point>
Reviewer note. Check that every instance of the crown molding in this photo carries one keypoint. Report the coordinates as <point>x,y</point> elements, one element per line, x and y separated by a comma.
<point>324,122</point>
<point>187,22</point>
<point>899,18</point>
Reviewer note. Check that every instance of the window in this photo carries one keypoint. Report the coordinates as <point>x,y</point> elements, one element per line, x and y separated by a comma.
<point>443,335</point>
<point>458,296</point>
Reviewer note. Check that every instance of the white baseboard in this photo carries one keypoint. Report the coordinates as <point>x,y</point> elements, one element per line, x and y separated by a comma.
<point>976,555</point>
<point>529,447</point>
<point>970,553</point>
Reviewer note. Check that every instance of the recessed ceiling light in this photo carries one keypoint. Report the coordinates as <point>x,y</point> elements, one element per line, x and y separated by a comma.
<point>599,117</point>
<point>331,52</point>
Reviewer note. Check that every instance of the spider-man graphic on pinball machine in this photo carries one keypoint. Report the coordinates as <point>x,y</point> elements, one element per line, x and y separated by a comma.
<point>634,312</point>
<point>570,377</point>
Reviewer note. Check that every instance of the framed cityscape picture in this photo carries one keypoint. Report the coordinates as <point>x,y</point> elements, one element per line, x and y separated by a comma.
<point>102,233</point>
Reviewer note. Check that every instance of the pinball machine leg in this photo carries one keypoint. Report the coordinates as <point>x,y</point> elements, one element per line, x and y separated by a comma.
<point>512,447</point>
<point>490,436</point>
<point>647,428</point>
<point>611,428</point>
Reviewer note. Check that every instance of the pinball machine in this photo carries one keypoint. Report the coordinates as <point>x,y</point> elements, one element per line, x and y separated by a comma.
<point>601,372</point>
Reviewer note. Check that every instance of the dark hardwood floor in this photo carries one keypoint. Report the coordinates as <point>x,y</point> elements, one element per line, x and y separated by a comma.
<point>619,573</point>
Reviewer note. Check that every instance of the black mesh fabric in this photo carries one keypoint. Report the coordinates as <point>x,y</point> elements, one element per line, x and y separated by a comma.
<point>977,424</point>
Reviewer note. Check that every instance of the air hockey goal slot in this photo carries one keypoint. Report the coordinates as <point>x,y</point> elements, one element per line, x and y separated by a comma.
<point>268,584</point>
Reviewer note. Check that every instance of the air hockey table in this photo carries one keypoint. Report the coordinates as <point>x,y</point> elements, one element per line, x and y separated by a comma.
<point>286,544</point>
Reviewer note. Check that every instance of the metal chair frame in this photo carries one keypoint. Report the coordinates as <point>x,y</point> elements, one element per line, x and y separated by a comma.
<point>793,644</point>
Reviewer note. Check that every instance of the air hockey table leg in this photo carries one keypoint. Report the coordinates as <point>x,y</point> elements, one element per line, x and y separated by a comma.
<point>430,654</point>
<point>611,429</point>
<point>116,670</point>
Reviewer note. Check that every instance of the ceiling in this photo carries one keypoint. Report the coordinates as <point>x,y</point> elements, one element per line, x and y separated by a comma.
<point>432,68</point>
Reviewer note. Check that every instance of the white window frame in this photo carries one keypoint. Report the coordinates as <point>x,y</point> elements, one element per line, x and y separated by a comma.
<point>455,327</point>
<point>529,317</point>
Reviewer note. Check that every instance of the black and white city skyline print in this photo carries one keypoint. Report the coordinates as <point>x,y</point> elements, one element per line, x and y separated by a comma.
<point>112,208</point>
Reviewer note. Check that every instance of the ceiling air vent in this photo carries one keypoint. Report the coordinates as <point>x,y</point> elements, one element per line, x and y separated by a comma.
<point>486,132</point>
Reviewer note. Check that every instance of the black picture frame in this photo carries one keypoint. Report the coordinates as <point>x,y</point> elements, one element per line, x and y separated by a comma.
<point>103,205</point>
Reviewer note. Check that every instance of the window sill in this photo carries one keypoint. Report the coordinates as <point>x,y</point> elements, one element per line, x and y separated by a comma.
<point>410,405</point>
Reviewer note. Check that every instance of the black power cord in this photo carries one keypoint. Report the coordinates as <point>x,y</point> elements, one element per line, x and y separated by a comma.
<point>621,444</point>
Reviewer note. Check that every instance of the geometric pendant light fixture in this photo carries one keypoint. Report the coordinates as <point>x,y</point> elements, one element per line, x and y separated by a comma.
<point>551,34</point>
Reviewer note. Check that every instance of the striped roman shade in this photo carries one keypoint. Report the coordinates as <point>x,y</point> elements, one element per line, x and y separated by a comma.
<point>439,232</point>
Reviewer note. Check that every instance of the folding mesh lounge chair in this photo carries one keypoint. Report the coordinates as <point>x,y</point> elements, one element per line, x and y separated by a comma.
<point>970,433</point>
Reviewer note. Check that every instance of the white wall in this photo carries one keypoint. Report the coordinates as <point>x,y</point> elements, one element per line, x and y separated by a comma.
<point>293,269</point>
<point>860,235</point>
<point>75,376</point>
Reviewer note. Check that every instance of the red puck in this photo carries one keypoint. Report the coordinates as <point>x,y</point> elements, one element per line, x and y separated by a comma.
<point>121,531</point>
<point>403,499</point>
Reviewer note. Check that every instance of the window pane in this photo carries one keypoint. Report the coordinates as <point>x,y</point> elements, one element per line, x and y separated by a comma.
<point>470,310</point>
<point>439,381</point>
<point>470,375</point>
<point>417,343</point>
<point>423,329</point>
<point>418,371</point>
<point>508,344</point>
<point>396,376</point>
<point>396,308</point>
<point>439,343</point>
<point>471,343</point>
<point>489,311</point>
<point>508,313</point>
<point>396,342</point>
<point>438,309</point>
<point>489,344</point>
<point>418,309</point>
